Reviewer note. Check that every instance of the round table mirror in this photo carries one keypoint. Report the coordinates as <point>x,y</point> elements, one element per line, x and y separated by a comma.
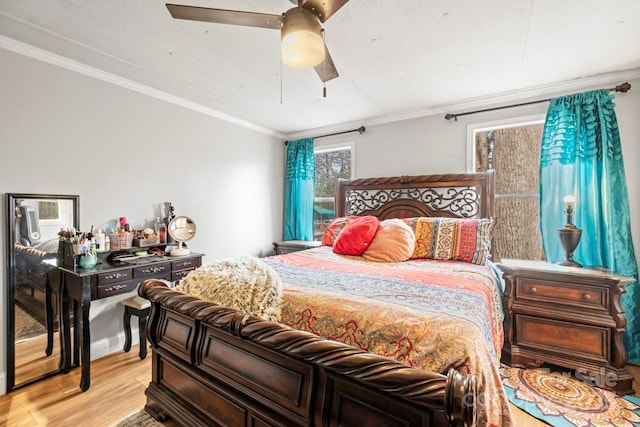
<point>181,229</point>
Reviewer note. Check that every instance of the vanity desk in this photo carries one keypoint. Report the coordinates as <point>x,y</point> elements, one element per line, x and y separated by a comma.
<point>79,286</point>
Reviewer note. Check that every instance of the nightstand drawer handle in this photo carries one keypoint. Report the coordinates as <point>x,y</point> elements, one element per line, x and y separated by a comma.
<point>586,297</point>
<point>534,290</point>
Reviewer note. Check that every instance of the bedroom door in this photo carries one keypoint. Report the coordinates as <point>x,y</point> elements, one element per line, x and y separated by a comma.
<point>32,225</point>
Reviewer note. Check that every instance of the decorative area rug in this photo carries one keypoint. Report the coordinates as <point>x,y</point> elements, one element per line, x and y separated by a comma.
<point>139,419</point>
<point>564,401</point>
<point>26,326</point>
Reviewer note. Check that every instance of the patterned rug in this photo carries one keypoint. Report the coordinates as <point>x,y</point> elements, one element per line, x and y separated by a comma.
<point>563,401</point>
<point>26,326</point>
<point>139,419</point>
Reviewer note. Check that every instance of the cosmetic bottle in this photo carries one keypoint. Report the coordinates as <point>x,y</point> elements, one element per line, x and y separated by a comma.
<point>100,240</point>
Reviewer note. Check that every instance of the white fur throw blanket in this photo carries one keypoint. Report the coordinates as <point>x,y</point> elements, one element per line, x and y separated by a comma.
<point>243,283</point>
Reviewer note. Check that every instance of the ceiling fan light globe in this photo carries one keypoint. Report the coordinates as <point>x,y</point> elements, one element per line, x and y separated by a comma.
<point>302,49</point>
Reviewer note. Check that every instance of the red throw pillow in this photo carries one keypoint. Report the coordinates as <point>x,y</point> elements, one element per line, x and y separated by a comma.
<point>356,236</point>
<point>334,229</point>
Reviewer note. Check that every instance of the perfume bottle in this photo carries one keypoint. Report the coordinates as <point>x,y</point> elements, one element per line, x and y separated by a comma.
<point>162,234</point>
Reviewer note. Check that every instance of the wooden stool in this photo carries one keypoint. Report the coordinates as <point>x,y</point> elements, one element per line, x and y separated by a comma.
<point>136,306</point>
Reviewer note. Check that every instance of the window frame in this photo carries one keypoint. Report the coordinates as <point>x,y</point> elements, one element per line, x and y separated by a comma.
<point>512,122</point>
<point>336,146</point>
<point>320,148</point>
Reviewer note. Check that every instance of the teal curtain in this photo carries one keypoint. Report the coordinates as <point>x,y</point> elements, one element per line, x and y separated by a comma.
<point>581,155</point>
<point>299,190</point>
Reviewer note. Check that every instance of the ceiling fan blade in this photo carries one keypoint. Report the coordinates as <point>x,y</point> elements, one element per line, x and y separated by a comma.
<point>223,16</point>
<point>323,9</point>
<point>326,70</point>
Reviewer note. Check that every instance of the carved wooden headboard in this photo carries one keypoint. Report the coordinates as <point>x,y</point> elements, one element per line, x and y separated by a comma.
<point>446,195</point>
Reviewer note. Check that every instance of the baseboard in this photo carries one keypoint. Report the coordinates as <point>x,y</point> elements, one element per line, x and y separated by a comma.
<point>106,346</point>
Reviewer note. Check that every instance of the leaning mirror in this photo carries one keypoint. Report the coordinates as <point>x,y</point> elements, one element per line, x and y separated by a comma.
<point>181,229</point>
<point>33,222</point>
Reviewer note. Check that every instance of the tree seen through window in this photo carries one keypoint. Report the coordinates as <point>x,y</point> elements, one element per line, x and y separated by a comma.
<point>331,165</point>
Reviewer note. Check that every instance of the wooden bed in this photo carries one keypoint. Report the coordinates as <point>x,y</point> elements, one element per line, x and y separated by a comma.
<point>214,365</point>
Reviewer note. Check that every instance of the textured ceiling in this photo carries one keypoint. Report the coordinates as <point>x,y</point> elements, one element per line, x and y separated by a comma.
<point>396,59</point>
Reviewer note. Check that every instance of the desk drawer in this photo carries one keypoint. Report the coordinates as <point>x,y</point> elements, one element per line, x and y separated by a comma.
<point>106,291</point>
<point>114,276</point>
<point>577,295</point>
<point>153,270</point>
<point>185,264</point>
<point>179,275</point>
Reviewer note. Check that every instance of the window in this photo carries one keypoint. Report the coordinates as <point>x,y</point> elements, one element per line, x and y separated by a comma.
<point>49,211</point>
<point>513,151</point>
<point>332,163</point>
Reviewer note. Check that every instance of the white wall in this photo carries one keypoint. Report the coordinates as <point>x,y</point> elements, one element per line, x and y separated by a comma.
<point>432,144</point>
<point>125,154</point>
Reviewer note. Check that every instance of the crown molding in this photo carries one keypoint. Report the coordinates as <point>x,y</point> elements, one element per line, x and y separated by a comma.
<point>78,67</point>
<point>499,100</point>
<point>504,99</point>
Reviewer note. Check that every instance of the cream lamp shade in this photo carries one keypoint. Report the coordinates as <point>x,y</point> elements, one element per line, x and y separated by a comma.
<point>302,44</point>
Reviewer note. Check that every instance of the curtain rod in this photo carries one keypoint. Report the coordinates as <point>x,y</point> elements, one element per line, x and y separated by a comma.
<point>361,130</point>
<point>624,87</point>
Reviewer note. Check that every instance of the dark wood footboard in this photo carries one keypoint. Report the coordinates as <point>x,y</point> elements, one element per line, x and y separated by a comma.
<point>213,365</point>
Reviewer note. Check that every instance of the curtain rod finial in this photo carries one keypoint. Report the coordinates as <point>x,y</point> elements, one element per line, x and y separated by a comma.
<point>624,87</point>
<point>450,116</point>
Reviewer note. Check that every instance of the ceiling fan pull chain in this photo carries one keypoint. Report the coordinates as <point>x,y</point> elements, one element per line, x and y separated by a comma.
<point>324,67</point>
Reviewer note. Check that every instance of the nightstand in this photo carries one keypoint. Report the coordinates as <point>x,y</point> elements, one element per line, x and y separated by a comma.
<point>566,316</point>
<point>287,246</point>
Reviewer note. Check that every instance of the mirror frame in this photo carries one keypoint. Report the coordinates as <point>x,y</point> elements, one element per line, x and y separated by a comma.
<point>11,200</point>
<point>172,226</point>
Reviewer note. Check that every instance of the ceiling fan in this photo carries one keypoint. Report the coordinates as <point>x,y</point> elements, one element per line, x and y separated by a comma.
<point>301,32</point>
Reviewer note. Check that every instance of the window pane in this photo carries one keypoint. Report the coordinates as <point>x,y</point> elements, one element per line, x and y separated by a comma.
<point>514,153</point>
<point>331,165</point>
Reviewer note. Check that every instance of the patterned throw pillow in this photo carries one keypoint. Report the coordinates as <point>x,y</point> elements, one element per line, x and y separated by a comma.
<point>356,236</point>
<point>331,233</point>
<point>394,242</point>
<point>458,239</point>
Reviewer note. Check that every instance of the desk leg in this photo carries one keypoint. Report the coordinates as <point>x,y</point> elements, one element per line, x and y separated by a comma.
<point>142,330</point>
<point>76,332</point>
<point>85,350</point>
<point>48,310</point>
<point>78,290</point>
<point>64,325</point>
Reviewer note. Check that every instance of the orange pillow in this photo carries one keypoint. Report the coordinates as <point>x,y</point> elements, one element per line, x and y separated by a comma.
<point>394,242</point>
<point>356,236</point>
<point>333,230</point>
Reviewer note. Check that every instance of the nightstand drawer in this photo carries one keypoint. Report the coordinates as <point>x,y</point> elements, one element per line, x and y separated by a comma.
<point>564,338</point>
<point>570,294</point>
<point>288,246</point>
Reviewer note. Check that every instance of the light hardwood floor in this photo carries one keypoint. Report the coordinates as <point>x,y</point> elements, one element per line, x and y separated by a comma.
<point>117,389</point>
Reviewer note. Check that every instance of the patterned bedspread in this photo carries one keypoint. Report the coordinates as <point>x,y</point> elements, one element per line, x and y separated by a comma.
<point>433,315</point>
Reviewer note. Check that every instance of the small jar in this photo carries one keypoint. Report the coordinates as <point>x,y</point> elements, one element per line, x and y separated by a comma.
<point>88,260</point>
